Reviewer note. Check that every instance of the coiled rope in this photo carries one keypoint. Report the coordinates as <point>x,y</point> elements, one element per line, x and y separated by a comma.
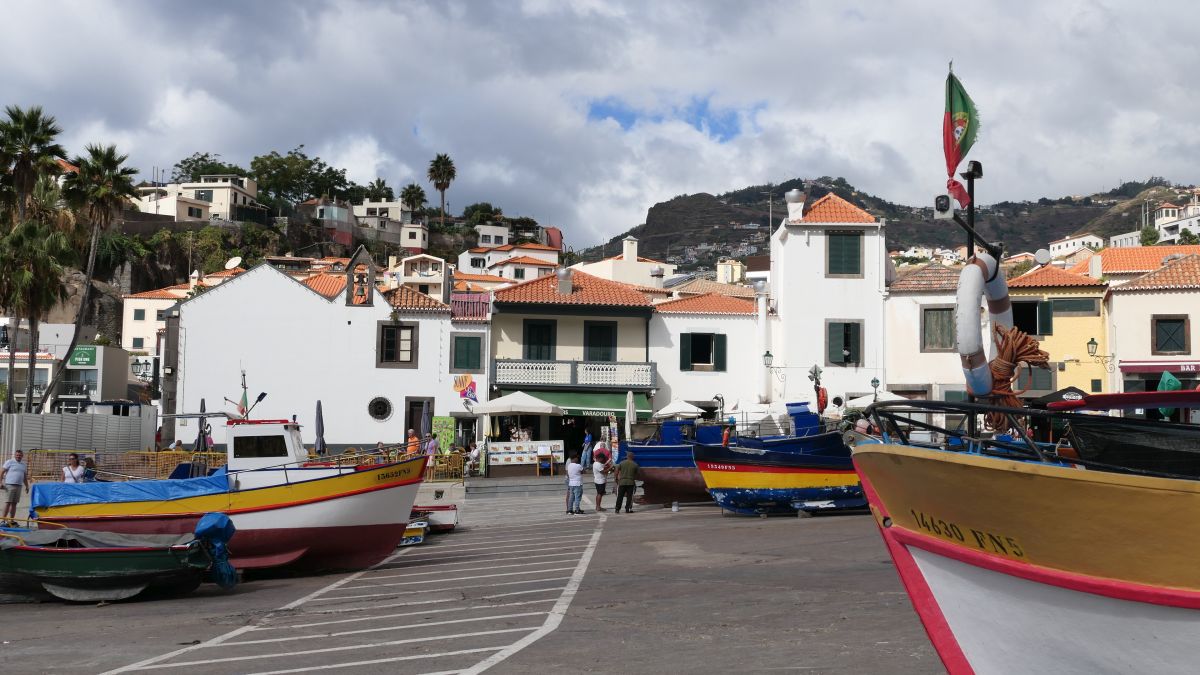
<point>1013,347</point>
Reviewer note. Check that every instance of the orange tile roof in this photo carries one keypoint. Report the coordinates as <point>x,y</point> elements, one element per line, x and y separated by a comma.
<point>326,285</point>
<point>833,209</point>
<point>1179,274</point>
<point>585,290</point>
<point>66,166</point>
<point>1049,276</point>
<point>510,247</point>
<point>709,303</point>
<point>1135,259</point>
<point>621,256</point>
<point>933,277</point>
<point>405,298</point>
<point>227,273</point>
<point>467,276</point>
<point>176,292</point>
<point>1167,205</point>
<point>704,286</point>
<point>525,260</point>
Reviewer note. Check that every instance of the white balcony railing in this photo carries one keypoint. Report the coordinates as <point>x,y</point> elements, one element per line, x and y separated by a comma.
<point>597,374</point>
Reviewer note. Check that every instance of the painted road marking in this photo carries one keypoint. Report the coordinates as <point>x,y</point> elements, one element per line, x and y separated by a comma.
<point>441,590</point>
<point>397,615</point>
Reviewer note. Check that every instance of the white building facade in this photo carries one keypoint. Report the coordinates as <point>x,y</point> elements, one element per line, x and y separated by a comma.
<point>1064,247</point>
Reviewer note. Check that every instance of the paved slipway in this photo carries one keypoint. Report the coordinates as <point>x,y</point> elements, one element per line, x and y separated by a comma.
<point>522,588</point>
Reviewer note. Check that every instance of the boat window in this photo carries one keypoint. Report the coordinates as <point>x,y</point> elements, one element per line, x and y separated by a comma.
<point>251,447</point>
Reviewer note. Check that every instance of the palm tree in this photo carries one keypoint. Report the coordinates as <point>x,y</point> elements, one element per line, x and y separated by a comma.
<point>35,252</point>
<point>441,174</point>
<point>98,190</point>
<point>379,191</point>
<point>413,196</point>
<point>29,151</point>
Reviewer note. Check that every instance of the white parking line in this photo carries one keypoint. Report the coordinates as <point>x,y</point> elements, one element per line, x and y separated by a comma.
<point>438,590</point>
<point>397,615</point>
<point>473,547</point>
<point>585,532</point>
<point>489,566</point>
<point>372,662</point>
<point>480,561</point>
<point>476,576</point>
<point>380,629</point>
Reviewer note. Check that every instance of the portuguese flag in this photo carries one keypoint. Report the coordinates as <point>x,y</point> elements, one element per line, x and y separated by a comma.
<point>958,133</point>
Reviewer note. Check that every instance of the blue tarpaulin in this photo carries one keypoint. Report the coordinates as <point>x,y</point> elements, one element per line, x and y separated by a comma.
<point>63,494</point>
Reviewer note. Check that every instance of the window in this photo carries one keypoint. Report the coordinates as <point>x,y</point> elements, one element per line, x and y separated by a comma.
<point>413,235</point>
<point>379,408</point>
<point>499,239</point>
<point>383,213</point>
<point>843,343</point>
<point>372,212</point>
<point>1170,334</point>
<point>844,254</point>
<point>160,315</point>
<point>320,213</point>
<point>937,329</point>
<point>466,354</point>
<point>195,212</point>
<point>139,315</point>
<point>1076,306</point>
<point>539,340</point>
<point>485,238</point>
<point>1097,385</point>
<point>519,273</point>
<point>256,447</point>
<point>1034,317</point>
<point>478,263</point>
<point>1036,379</point>
<point>204,195</point>
<point>139,343</point>
<point>702,351</point>
<point>397,345</point>
<point>599,341</point>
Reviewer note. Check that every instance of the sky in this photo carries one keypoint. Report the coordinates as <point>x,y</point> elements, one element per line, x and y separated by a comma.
<point>583,114</point>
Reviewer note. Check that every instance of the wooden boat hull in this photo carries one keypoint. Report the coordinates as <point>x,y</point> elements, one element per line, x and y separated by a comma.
<point>663,485</point>
<point>346,521</point>
<point>754,481</point>
<point>1027,567</point>
<point>96,574</point>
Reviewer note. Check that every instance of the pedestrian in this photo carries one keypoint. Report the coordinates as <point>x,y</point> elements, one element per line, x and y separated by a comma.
<point>73,471</point>
<point>626,482</point>
<point>14,476</point>
<point>412,444</point>
<point>178,447</point>
<point>89,470</point>
<point>587,448</point>
<point>473,459</point>
<point>574,486</point>
<point>600,470</point>
<point>431,446</point>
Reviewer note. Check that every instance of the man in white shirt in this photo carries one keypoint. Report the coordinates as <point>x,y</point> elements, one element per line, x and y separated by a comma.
<point>574,486</point>
<point>600,470</point>
<point>14,476</point>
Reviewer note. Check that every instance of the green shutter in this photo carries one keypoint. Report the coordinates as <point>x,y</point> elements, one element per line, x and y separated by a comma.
<point>685,351</point>
<point>1045,318</point>
<point>833,341</point>
<point>845,252</point>
<point>855,342</point>
<point>719,352</point>
<point>466,352</point>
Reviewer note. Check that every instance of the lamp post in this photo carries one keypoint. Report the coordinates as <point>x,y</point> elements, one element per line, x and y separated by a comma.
<point>1104,359</point>
<point>768,360</point>
<point>875,386</point>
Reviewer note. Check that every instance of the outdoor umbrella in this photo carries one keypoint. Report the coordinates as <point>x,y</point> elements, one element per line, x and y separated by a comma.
<point>630,414</point>
<point>319,445</point>
<point>517,403</point>
<point>202,422</point>
<point>868,399</point>
<point>679,408</point>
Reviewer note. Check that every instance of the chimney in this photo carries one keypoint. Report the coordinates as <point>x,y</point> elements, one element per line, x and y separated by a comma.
<point>392,261</point>
<point>1095,267</point>
<point>656,276</point>
<point>564,281</point>
<point>194,279</point>
<point>629,253</point>
<point>795,205</point>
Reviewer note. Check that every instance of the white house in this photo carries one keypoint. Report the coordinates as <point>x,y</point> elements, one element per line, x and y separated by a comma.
<point>174,203</point>
<point>828,280</point>
<point>143,315</point>
<point>425,274</point>
<point>227,196</point>
<point>395,210</point>
<point>629,267</point>
<point>1066,246</point>
<point>919,355</point>
<point>522,268</point>
<point>491,234</point>
<point>374,360</point>
<point>477,260</point>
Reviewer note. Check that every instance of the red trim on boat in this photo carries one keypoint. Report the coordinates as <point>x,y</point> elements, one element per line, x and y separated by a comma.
<point>1183,398</point>
<point>1112,588</point>
<point>923,600</point>
<point>756,468</point>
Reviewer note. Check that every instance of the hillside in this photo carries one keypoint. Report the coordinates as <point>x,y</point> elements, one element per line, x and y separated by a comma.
<point>721,221</point>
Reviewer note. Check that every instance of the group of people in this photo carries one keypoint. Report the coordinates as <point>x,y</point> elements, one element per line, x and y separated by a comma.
<point>15,477</point>
<point>599,460</point>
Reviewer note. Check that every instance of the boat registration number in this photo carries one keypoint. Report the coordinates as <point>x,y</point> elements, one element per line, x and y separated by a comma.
<point>990,542</point>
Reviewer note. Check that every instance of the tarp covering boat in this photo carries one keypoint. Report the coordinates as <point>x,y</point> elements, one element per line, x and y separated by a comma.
<point>64,494</point>
<point>72,538</point>
<point>1137,444</point>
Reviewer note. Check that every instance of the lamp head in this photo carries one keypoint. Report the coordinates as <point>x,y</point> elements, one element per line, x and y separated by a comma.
<point>1092,346</point>
<point>768,358</point>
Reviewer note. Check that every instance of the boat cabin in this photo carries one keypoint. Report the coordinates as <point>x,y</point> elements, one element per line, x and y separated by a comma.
<point>258,444</point>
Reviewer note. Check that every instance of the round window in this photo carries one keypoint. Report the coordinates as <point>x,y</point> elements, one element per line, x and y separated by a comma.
<point>380,408</point>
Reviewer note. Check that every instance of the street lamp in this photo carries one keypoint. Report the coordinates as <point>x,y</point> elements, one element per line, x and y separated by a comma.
<point>875,386</point>
<point>1105,359</point>
<point>768,359</point>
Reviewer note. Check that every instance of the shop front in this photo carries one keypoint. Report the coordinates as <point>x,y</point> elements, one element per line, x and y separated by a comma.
<point>1146,376</point>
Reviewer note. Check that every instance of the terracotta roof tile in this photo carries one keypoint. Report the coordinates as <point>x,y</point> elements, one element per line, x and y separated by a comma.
<point>1179,274</point>
<point>66,166</point>
<point>176,292</point>
<point>405,298</point>
<point>833,209</point>
<point>1049,276</point>
<point>621,256</point>
<point>705,286</point>
<point>525,260</point>
<point>1135,259</point>
<point>512,247</point>
<point>709,303</point>
<point>585,290</point>
<point>466,276</point>
<point>227,273</point>
<point>326,285</point>
<point>930,278</point>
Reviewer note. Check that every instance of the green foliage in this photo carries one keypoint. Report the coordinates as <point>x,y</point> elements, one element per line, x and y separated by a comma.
<point>481,212</point>
<point>101,186</point>
<point>413,196</point>
<point>286,180</point>
<point>1020,268</point>
<point>199,164</point>
<point>1149,235</point>
<point>379,191</point>
<point>442,173</point>
<point>28,151</point>
<point>1186,237</point>
<point>115,249</point>
<point>1133,188</point>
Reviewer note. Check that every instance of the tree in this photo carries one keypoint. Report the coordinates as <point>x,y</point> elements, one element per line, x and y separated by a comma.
<point>33,252</point>
<point>481,212</point>
<point>199,164</point>
<point>441,173</point>
<point>1149,235</point>
<point>1020,268</point>
<point>413,196</point>
<point>379,191</point>
<point>286,180</point>
<point>28,150</point>
<point>1186,237</point>
<point>98,190</point>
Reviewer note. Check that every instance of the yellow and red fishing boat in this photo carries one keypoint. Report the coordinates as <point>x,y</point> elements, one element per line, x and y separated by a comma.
<point>287,510</point>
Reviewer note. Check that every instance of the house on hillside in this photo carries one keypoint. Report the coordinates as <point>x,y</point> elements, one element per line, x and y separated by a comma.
<point>477,260</point>
<point>423,273</point>
<point>1120,265</point>
<point>225,197</point>
<point>629,267</point>
<point>522,268</point>
<point>334,217</point>
<point>920,357</point>
<point>1061,248</point>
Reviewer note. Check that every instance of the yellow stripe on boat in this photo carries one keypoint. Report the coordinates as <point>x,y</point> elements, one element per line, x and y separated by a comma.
<point>766,481</point>
<point>275,496</point>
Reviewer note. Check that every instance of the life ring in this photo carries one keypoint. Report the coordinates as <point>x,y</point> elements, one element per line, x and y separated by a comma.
<point>822,399</point>
<point>973,284</point>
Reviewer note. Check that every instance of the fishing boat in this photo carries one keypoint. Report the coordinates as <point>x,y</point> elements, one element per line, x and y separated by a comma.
<point>757,481</point>
<point>415,533</point>
<point>88,566</point>
<point>1022,556</point>
<point>337,513</point>
<point>441,518</point>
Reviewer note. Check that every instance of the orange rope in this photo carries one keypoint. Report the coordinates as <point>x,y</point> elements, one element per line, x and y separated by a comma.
<point>1013,348</point>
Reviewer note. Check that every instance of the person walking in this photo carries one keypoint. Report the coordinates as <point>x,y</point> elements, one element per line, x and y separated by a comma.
<point>431,446</point>
<point>14,476</point>
<point>600,470</point>
<point>587,448</point>
<point>73,471</point>
<point>626,482</point>
<point>574,486</point>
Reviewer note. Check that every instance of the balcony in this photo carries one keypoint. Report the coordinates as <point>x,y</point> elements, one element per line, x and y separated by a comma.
<point>68,388</point>
<point>581,374</point>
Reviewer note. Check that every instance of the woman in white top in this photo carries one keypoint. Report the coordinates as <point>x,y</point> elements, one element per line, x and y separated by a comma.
<point>73,471</point>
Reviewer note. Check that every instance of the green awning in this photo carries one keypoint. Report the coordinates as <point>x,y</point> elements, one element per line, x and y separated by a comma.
<point>592,404</point>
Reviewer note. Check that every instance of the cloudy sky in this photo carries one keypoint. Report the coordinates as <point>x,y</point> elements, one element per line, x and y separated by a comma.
<point>583,113</point>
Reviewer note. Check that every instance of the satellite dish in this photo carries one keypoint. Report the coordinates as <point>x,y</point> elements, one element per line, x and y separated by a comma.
<point>233,262</point>
<point>1042,256</point>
